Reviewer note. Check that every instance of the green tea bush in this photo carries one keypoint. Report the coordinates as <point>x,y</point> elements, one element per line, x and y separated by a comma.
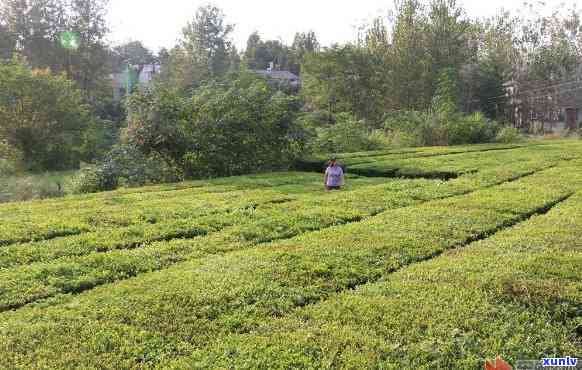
<point>249,218</point>
<point>215,311</point>
<point>445,313</point>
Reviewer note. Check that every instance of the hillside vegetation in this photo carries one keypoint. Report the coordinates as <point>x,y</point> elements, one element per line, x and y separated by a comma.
<point>437,257</point>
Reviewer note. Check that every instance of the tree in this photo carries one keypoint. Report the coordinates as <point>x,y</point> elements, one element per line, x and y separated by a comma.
<point>408,66</point>
<point>377,37</point>
<point>548,45</point>
<point>260,54</point>
<point>35,26</point>
<point>303,44</point>
<point>445,99</point>
<point>254,131</point>
<point>448,41</point>
<point>10,159</point>
<point>7,42</point>
<point>87,20</point>
<point>251,58</point>
<point>205,52</point>
<point>42,116</point>
<point>62,35</point>
<point>344,79</point>
<point>206,40</point>
<point>133,53</point>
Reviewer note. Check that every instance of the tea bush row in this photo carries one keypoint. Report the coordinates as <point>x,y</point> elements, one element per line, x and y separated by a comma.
<point>517,295</point>
<point>190,307</point>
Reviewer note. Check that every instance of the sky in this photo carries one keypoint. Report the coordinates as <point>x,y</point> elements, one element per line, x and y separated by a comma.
<point>159,23</point>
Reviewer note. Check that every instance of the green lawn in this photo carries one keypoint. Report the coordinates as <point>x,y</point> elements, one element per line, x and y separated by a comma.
<point>404,268</point>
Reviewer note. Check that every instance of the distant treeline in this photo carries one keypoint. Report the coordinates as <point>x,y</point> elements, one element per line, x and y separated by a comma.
<point>426,75</point>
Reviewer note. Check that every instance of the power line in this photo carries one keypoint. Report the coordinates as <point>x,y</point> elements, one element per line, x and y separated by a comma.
<point>541,89</point>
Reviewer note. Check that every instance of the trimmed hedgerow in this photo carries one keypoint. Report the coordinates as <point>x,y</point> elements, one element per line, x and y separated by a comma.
<point>79,269</point>
<point>33,221</point>
<point>185,309</point>
<point>516,294</point>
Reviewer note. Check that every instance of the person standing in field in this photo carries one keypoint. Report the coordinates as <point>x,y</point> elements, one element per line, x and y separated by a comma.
<point>334,176</point>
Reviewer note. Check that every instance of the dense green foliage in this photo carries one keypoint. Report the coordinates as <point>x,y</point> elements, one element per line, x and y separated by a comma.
<point>125,166</point>
<point>270,271</point>
<point>9,159</point>
<point>426,75</point>
<point>65,36</point>
<point>256,130</point>
<point>261,55</point>
<point>43,116</point>
<point>205,51</point>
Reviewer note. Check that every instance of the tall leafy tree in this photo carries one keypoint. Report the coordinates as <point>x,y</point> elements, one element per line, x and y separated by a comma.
<point>35,26</point>
<point>63,35</point>
<point>207,41</point>
<point>344,79</point>
<point>251,54</point>
<point>408,64</point>
<point>204,53</point>
<point>303,44</point>
<point>7,42</point>
<point>260,54</point>
<point>448,36</point>
<point>43,116</point>
<point>133,53</point>
<point>87,20</point>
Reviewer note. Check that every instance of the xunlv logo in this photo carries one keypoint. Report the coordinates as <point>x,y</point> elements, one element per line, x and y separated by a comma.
<point>563,362</point>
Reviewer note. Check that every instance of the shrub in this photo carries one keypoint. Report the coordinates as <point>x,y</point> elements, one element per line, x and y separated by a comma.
<point>92,180</point>
<point>10,160</point>
<point>125,166</point>
<point>509,135</point>
<point>346,135</point>
<point>470,129</point>
<point>439,128</point>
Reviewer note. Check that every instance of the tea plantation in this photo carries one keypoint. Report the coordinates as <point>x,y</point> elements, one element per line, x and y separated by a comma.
<point>429,258</point>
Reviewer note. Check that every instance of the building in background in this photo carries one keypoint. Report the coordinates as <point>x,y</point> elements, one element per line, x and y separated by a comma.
<point>542,107</point>
<point>133,77</point>
<point>280,79</point>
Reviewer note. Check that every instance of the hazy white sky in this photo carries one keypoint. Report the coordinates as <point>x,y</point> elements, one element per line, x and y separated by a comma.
<point>159,23</point>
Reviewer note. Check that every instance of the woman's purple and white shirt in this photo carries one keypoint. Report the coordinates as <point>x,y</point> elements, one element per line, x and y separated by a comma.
<point>334,176</point>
